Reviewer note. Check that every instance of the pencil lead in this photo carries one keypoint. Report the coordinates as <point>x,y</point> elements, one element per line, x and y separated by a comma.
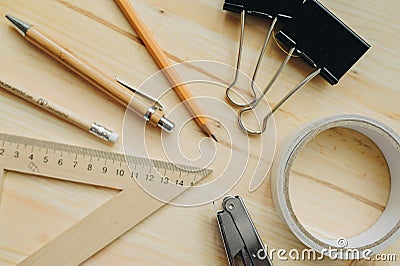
<point>214,138</point>
<point>20,25</point>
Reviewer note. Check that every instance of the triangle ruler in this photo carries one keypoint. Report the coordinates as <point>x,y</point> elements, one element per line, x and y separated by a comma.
<point>99,168</point>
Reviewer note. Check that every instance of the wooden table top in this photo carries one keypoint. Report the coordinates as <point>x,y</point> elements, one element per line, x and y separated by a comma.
<point>331,168</point>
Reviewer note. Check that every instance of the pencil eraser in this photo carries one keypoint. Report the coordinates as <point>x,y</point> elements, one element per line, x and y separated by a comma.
<point>264,8</point>
<point>323,40</point>
<point>113,137</point>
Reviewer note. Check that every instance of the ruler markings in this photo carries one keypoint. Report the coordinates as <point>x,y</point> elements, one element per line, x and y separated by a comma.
<point>67,158</point>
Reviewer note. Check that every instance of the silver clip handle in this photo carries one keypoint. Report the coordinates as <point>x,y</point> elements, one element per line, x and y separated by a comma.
<point>238,62</point>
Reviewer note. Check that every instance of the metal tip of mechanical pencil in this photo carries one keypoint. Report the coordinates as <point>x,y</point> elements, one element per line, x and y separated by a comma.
<point>20,25</point>
<point>166,124</point>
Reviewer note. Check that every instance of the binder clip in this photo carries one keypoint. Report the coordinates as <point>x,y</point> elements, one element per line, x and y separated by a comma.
<point>323,41</point>
<point>282,9</point>
<point>239,234</point>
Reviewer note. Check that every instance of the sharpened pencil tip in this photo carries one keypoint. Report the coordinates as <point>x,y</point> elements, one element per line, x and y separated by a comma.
<point>20,25</point>
<point>214,138</point>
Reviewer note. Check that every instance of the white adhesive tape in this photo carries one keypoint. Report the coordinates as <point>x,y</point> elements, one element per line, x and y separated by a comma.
<point>385,230</point>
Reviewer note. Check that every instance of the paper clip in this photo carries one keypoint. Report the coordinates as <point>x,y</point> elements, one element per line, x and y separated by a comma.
<point>282,9</point>
<point>323,41</point>
<point>239,234</point>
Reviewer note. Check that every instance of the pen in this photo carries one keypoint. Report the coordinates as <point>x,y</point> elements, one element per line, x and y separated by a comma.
<point>153,114</point>
<point>94,128</point>
<point>162,61</point>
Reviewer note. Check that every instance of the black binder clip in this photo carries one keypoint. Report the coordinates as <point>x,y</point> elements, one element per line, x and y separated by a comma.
<point>272,9</point>
<point>239,235</point>
<point>323,41</point>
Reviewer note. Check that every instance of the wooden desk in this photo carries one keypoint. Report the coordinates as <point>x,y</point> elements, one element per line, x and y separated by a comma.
<point>195,30</point>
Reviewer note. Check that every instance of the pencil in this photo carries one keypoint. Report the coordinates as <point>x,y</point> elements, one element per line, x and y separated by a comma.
<point>92,127</point>
<point>162,61</point>
<point>109,86</point>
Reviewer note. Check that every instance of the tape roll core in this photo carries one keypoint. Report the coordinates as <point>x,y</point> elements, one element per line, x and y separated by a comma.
<point>385,230</point>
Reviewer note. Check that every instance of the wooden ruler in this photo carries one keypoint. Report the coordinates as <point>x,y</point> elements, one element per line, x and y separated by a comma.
<point>100,168</point>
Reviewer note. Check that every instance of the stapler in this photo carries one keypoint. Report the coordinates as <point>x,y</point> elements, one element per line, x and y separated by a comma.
<point>240,237</point>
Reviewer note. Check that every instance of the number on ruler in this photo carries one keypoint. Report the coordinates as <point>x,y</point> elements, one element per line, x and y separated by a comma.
<point>150,178</point>
<point>120,172</point>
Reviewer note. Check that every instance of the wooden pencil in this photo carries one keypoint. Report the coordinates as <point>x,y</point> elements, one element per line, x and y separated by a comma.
<point>163,63</point>
<point>61,112</point>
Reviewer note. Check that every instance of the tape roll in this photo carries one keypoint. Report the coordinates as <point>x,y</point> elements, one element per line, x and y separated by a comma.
<point>384,231</point>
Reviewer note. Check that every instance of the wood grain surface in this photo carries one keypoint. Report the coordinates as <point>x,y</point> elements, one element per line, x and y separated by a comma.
<point>340,181</point>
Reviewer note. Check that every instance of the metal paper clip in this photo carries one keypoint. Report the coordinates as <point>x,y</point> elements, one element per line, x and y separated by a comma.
<point>149,98</point>
<point>269,9</point>
<point>323,41</point>
<point>239,234</point>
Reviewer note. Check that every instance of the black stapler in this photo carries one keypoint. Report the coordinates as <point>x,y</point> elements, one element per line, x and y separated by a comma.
<point>240,237</point>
